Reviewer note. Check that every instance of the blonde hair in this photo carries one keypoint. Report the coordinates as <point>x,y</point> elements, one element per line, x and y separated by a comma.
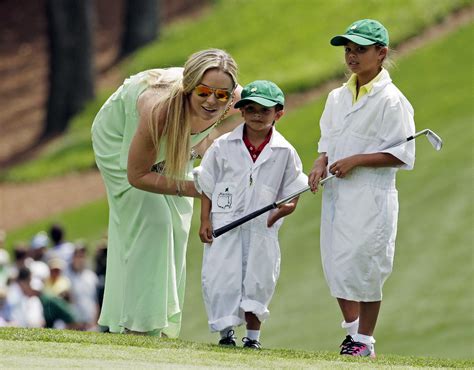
<point>177,126</point>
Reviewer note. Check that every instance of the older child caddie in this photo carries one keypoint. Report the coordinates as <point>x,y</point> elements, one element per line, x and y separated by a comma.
<point>241,172</point>
<point>359,215</point>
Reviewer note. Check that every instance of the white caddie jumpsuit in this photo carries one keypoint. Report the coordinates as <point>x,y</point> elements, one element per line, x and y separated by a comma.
<point>359,212</point>
<point>241,267</point>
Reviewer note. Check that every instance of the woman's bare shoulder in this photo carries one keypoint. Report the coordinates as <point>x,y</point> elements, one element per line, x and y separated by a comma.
<point>151,97</point>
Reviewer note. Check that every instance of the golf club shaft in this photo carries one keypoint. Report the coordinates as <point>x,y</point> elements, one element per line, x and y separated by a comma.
<point>258,212</point>
<point>305,189</point>
<point>240,221</point>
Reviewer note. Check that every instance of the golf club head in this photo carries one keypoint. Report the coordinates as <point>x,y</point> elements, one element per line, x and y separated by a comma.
<point>434,139</point>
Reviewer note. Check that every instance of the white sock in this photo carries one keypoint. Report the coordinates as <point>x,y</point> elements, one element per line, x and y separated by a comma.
<point>368,340</point>
<point>225,332</point>
<point>253,334</point>
<point>351,327</point>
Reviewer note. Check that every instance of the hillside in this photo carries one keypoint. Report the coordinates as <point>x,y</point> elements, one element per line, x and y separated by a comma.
<point>87,186</point>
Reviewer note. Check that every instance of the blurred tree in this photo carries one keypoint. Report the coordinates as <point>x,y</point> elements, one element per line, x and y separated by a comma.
<point>141,24</point>
<point>71,80</point>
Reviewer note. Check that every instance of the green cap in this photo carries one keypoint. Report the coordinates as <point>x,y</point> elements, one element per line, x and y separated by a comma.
<point>263,92</point>
<point>364,32</point>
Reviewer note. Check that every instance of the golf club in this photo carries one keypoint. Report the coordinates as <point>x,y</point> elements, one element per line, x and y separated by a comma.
<point>432,137</point>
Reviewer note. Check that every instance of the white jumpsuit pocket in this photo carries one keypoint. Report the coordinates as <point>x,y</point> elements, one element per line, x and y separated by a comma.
<point>224,197</point>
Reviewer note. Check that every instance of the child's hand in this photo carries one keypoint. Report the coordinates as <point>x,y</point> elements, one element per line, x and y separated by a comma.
<point>343,166</point>
<point>205,231</point>
<point>318,172</point>
<point>282,211</point>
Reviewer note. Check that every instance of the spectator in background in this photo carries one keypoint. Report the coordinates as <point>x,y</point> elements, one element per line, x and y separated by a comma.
<point>20,260</point>
<point>100,267</point>
<point>57,284</point>
<point>60,248</point>
<point>25,306</point>
<point>57,312</point>
<point>39,246</point>
<point>4,268</point>
<point>83,290</point>
<point>5,312</point>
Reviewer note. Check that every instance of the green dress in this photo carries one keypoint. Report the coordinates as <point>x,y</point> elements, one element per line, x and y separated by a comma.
<point>148,232</point>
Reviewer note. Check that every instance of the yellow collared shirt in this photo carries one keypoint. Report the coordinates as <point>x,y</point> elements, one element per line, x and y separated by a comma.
<point>363,90</point>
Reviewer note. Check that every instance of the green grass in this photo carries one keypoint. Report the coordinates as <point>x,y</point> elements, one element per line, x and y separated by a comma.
<point>44,348</point>
<point>287,42</point>
<point>87,223</point>
<point>429,299</point>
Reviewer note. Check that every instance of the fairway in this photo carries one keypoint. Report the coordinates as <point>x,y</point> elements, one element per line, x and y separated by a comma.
<point>43,348</point>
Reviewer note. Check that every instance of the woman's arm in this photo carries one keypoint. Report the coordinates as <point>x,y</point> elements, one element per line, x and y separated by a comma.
<point>142,156</point>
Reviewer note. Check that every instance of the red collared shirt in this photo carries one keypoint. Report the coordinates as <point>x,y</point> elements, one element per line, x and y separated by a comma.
<point>255,152</point>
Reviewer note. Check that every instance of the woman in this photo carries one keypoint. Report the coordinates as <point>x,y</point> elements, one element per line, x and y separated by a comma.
<point>142,139</point>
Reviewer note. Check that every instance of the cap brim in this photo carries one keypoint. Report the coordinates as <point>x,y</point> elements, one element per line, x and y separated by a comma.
<point>255,99</point>
<point>343,39</point>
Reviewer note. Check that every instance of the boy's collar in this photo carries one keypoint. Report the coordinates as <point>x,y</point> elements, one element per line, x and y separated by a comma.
<point>276,140</point>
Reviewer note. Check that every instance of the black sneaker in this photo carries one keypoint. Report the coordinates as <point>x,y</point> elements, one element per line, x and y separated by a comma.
<point>351,348</point>
<point>228,340</point>
<point>250,343</point>
<point>348,340</point>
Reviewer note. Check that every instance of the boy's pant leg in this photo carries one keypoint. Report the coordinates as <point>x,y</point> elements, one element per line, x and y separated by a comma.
<point>222,281</point>
<point>261,269</point>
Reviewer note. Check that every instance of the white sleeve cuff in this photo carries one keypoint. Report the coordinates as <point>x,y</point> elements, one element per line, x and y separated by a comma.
<point>203,181</point>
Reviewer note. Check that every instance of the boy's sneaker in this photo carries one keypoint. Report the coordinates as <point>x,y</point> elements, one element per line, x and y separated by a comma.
<point>251,343</point>
<point>228,340</point>
<point>351,348</point>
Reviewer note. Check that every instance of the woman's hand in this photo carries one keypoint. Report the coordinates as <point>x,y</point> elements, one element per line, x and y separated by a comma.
<point>282,211</point>
<point>318,172</point>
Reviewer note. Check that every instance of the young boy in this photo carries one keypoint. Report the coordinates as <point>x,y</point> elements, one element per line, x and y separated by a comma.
<point>245,170</point>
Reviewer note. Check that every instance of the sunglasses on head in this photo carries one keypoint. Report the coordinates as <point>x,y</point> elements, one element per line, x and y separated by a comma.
<point>205,91</point>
